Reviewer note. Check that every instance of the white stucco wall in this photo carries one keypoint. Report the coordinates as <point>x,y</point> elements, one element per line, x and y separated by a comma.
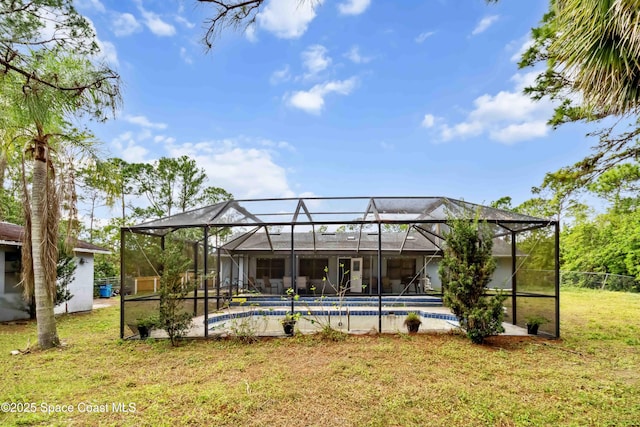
<point>501,277</point>
<point>81,287</point>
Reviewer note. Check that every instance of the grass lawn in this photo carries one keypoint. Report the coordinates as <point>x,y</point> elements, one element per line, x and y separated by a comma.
<point>589,377</point>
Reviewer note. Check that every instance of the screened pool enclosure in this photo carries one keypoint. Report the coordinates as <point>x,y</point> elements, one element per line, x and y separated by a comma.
<point>375,258</point>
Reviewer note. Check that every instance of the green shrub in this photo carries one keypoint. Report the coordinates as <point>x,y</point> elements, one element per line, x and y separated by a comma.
<point>466,269</point>
<point>174,319</point>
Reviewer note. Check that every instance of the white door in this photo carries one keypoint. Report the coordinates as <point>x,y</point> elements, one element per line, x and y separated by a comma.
<point>356,275</point>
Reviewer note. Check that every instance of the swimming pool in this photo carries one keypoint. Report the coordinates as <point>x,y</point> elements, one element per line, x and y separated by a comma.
<point>265,321</point>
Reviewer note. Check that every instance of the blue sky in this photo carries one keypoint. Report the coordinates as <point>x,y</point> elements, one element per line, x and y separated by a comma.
<point>352,98</point>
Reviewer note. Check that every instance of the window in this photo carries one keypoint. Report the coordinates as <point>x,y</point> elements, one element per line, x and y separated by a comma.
<point>399,268</point>
<point>313,268</point>
<point>270,267</point>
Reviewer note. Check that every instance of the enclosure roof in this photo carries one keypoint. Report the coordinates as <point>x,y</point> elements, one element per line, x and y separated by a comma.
<point>335,211</point>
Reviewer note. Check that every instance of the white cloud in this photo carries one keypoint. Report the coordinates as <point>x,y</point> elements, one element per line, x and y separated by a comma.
<point>280,76</point>
<point>507,117</point>
<point>125,24</point>
<point>108,52</point>
<point>238,166</point>
<point>428,121</point>
<point>158,26</point>
<point>250,33</point>
<point>353,7</point>
<point>516,57</point>
<point>127,148</point>
<point>355,56</point>
<point>461,130</point>
<point>163,139</point>
<point>185,55</point>
<point>184,21</point>
<point>315,59</point>
<point>144,134</point>
<point>423,36</point>
<point>155,24</point>
<point>312,101</point>
<point>525,80</point>
<point>144,122</point>
<point>277,144</point>
<point>520,132</point>
<point>90,5</point>
<point>287,19</point>
<point>484,24</point>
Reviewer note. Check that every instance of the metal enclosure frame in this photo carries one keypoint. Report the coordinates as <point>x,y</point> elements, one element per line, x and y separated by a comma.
<point>415,223</point>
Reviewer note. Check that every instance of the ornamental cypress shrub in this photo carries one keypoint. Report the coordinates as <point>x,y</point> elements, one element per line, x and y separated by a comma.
<point>465,271</point>
<point>174,287</point>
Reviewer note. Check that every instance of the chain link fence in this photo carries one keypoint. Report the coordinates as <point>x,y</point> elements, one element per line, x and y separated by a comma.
<point>605,281</point>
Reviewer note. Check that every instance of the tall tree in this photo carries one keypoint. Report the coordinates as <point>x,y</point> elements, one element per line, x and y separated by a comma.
<point>41,108</point>
<point>174,183</point>
<point>45,26</point>
<point>46,46</point>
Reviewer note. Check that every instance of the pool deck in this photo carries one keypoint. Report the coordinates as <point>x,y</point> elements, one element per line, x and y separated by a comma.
<point>429,324</point>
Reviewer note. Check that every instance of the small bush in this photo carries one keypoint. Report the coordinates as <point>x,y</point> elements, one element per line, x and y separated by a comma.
<point>173,289</point>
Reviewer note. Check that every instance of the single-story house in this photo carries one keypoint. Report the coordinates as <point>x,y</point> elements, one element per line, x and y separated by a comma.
<point>12,304</point>
<point>409,262</point>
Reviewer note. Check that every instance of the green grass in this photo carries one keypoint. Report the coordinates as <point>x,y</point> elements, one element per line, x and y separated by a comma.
<point>589,377</point>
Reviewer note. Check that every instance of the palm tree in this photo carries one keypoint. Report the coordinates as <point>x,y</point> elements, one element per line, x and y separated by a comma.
<point>41,109</point>
<point>592,49</point>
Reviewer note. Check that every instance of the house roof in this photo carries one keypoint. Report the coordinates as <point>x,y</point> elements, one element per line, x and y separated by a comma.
<point>11,235</point>
<point>414,241</point>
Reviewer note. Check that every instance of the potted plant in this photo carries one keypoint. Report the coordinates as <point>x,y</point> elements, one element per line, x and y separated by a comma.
<point>146,325</point>
<point>533,322</point>
<point>289,322</point>
<point>412,322</point>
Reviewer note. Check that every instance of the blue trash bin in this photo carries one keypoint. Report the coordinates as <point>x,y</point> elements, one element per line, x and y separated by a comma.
<point>105,291</point>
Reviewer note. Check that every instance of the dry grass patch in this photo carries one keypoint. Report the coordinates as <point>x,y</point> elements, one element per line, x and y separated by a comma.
<point>589,377</point>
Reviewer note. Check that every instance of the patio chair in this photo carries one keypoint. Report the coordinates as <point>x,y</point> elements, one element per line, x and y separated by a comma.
<point>301,283</point>
<point>386,285</point>
<point>268,287</point>
<point>253,286</point>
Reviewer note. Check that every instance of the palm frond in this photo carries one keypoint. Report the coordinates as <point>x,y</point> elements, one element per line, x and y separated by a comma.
<point>598,49</point>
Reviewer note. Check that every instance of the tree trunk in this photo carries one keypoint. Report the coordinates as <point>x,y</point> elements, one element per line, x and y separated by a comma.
<point>47,333</point>
<point>3,171</point>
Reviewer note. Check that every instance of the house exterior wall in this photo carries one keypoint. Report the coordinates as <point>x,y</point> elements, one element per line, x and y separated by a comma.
<point>501,277</point>
<point>12,306</point>
<point>81,287</point>
<point>425,266</point>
